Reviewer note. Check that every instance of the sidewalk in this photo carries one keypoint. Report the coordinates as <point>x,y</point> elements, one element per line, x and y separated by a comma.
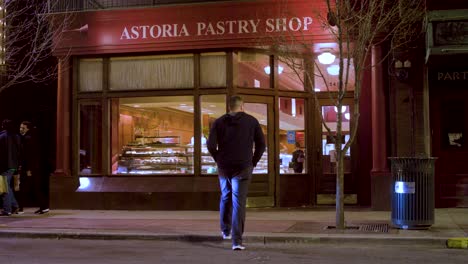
<point>262,226</point>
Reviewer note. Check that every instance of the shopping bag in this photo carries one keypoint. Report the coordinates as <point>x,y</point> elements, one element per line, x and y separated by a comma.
<point>16,182</point>
<point>3,184</point>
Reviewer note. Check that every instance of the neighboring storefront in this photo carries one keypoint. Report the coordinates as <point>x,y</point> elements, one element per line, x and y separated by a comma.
<point>447,64</point>
<point>139,88</point>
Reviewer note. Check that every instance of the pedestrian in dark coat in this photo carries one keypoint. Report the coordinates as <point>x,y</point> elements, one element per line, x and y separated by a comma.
<point>231,143</point>
<point>9,163</point>
<point>31,166</point>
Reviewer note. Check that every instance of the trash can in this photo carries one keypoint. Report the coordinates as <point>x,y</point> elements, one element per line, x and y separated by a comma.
<point>413,192</point>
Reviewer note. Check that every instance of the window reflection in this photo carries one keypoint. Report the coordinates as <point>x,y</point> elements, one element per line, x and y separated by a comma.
<point>290,74</point>
<point>252,70</point>
<point>152,135</point>
<point>212,107</point>
<point>292,140</point>
<point>91,138</point>
<point>329,80</point>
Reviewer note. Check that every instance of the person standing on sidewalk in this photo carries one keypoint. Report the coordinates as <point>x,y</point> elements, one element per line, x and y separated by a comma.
<point>31,167</point>
<point>9,163</point>
<point>230,142</point>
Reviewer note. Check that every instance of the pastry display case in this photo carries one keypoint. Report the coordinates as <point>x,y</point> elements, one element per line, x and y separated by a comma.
<point>155,155</point>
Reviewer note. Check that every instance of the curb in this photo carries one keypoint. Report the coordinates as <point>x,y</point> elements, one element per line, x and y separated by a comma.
<point>457,242</point>
<point>254,239</point>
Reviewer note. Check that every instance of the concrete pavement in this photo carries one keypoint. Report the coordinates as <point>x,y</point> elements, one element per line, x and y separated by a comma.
<point>308,225</point>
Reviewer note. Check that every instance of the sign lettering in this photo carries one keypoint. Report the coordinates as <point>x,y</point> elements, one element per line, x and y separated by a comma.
<point>218,28</point>
<point>452,76</point>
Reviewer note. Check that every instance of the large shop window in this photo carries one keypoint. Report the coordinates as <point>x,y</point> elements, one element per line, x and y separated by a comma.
<point>90,75</point>
<point>292,141</point>
<point>212,107</point>
<point>90,138</point>
<point>152,135</point>
<point>290,74</point>
<point>213,70</point>
<point>252,70</point>
<point>152,72</point>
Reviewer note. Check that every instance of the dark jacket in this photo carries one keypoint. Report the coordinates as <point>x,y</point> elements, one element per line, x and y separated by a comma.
<point>30,152</point>
<point>9,151</point>
<point>232,138</point>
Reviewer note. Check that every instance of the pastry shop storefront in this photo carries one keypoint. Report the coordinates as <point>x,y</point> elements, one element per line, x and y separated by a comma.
<point>139,88</point>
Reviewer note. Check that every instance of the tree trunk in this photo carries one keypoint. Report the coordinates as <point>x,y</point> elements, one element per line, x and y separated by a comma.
<point>340,190</point>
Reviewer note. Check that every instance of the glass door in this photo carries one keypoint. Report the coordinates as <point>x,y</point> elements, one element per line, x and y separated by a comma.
<point>326,185</point>
<point>262,187</point>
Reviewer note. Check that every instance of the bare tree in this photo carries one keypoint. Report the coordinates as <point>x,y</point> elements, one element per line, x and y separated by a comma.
<point>28,41</point>
<point>356,26</point>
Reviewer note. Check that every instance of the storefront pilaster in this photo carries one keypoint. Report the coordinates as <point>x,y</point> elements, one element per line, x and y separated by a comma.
<point>62,182</point>
<point>380,175</point>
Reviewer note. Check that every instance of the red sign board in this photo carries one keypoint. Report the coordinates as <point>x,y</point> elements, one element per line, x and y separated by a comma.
<point>227,24</point>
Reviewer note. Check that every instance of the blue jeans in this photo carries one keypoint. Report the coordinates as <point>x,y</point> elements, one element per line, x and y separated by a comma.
<point>234,187</point>
<point>9,200</point>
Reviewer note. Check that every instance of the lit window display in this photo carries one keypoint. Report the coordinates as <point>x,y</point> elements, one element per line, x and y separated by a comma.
<point>152,135</point>
<point>212,107</point>
<point>292,138</point>
<point>328,146</point>
<point>260,112</point>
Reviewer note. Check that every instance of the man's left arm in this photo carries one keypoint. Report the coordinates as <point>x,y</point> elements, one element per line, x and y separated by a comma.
<point>260,146</point>
<point>212,142</point>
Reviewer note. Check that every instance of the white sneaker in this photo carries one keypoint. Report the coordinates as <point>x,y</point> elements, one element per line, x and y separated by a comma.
<point>238,247</point>
<point>226,236</point>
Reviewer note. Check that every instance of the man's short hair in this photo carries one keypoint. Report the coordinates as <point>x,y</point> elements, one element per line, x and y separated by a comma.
<point>28,124</point>
<point>235,102</point>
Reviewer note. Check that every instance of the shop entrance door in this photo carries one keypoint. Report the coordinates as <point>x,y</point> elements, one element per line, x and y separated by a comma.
<point>262,187</point>
<point>449,126</point>
<point>326,180</point>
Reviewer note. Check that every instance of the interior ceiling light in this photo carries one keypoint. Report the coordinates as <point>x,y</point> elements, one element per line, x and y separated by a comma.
<point>268,70</point>
<point>333,70</point>
<point>326,58</point>
<point>343,109</point>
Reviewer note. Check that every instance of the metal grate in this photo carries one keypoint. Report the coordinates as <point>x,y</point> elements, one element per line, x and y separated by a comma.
<point>377,228</point>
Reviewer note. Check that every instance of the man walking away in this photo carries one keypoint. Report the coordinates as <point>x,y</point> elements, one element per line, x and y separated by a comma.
<point>231,141</point>
<point>9,162</point>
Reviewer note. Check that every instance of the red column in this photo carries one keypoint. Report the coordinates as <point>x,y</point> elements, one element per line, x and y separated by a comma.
<point>379,120</point>
<point>63,119</point>
<point>380,175</point>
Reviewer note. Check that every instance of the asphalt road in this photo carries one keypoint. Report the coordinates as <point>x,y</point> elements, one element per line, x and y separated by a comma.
<point>68,251</point>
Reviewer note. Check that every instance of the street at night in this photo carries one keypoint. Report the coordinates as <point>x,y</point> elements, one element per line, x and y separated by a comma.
<point>52,251</point>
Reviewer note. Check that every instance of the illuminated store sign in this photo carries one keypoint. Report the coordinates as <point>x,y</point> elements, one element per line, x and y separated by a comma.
<point>218,28</point>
